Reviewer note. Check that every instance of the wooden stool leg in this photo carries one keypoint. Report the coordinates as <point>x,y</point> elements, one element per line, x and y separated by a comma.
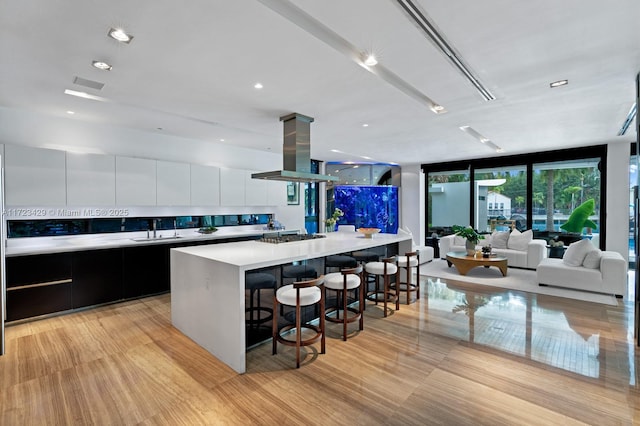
<point>322,325</point>
<point>298,334</point>
<point>418,280</point>
<point>275,326</point>
<point>361,305</point>
<point>344,314</point>
<point>385,293</point>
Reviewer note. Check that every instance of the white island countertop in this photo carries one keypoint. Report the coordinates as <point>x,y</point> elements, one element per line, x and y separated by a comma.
<point>248,255</point>
<point>208,284</point>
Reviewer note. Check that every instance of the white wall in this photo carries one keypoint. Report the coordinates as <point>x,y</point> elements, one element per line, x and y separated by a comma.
<point>617,214</point>
<point>412,201</point>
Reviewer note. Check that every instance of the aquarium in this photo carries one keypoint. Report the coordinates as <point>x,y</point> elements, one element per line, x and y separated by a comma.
<point>374,206</point>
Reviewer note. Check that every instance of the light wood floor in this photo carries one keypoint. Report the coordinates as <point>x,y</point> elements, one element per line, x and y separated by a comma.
<point>459,355</point>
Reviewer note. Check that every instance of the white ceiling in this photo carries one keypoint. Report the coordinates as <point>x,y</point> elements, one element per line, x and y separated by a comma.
<point>191,67</point>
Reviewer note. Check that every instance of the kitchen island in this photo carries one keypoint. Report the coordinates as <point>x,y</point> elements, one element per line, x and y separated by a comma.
<point>208,288</point>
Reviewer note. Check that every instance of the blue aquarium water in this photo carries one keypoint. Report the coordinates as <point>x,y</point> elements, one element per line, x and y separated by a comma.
<point>368,206</point>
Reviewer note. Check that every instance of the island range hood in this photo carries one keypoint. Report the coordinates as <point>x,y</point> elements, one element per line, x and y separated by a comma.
<point>296,152</point>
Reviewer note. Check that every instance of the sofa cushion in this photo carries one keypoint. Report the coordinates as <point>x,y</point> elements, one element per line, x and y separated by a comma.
<point>592,259</point>
<point>519,240</point>
<point>499,239</point>
<point>576,252</point>
<point>459,241</point>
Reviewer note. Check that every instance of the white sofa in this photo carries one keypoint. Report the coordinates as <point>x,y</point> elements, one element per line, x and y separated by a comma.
<point>528,256</point>
<point>425,253</point>
<point>610,277</point>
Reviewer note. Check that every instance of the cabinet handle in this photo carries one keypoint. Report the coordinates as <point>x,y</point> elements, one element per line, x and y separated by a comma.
<point>22,287</point>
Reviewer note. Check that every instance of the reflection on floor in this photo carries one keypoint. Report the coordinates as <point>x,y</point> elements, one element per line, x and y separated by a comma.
<point>462,354</point>
<point>540,328</point>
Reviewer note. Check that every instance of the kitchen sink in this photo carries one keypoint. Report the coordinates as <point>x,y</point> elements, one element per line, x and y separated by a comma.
<point>147,239</point>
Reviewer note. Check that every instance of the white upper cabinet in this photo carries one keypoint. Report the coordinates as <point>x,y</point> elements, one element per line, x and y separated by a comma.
<point>255,190</point>
<point>205,185</point>
<point>135,182</point>
<point>173,182</point>
<point>34,176</point>
<point>232,187</point>
<point>91,180</point>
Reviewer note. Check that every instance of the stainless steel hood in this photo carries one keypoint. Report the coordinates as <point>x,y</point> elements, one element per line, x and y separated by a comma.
<point>296,153</point>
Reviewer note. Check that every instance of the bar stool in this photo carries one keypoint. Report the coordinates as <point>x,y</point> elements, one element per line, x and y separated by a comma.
<point>384,269</point>
<point>340,261</point>
<point>299,294</point>
<point>254,282</point>
<point>406,264</point>
<point>298,272</point>
<point>341,282</point>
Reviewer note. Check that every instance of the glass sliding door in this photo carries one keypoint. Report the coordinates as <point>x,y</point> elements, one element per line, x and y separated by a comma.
<point>559,187</point>
<point>449,200</point>
<point>500,198</point>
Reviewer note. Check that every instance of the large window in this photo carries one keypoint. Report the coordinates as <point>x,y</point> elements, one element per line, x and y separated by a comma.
<point>519,192</point>
<point>447,189</point>
<point>501,198</point>
<point>559,187</point>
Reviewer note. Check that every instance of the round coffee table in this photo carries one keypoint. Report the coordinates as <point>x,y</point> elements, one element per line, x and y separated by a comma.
<point>464,263</point>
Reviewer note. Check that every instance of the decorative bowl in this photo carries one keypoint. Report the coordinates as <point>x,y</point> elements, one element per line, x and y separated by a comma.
<point>207,230</point>
<point>368,232</point>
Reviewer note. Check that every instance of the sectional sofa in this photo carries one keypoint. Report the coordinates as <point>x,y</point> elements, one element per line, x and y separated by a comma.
<point>520,248</point>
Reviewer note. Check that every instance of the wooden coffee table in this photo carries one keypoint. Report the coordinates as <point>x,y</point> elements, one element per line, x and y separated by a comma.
<point>464,263</point>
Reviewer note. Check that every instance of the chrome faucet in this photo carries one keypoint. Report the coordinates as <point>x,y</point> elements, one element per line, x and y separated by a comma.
<point>154,228</point>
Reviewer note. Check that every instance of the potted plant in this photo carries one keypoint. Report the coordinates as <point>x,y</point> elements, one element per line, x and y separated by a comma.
<point>486,251</point>
<point>331,222</point>
<point>470,235</point>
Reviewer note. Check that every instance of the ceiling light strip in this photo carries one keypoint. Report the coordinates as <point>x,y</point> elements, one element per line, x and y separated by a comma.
<point>483,140</point>
<point>294,14</point>
<point>628,120</point>
<point>423,23</point>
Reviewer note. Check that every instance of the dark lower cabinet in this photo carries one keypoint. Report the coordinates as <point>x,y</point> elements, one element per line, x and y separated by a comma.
<point>36,301</point>
<point>145,270</point>
<point>47,283</point>
<point>38,285</point>
<point>97,277</point>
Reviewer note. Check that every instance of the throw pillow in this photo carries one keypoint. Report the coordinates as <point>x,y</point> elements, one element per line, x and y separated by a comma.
<point>576,252</point>
<point>499,239</point>
<point>592,259</point>
<point>520,240</point>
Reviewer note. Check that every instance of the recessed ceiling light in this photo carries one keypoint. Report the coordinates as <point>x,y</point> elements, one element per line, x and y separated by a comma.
<point>221,140</point>
<point>101,65</point>
<point>335,150</point>
<point>258,86</point>
<point>120,35</point>
<point>70,112</point>
<point>84,95</point>
<point>365,125</point>
<point>370,60</point>
<point>559,83</point>
<point>438,109</point>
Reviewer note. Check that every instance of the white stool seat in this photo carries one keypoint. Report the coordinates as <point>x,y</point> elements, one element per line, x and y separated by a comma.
<point>377,268</point>
<point>402,261</point>
<point>286,295</point>
<point>335,281</point>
